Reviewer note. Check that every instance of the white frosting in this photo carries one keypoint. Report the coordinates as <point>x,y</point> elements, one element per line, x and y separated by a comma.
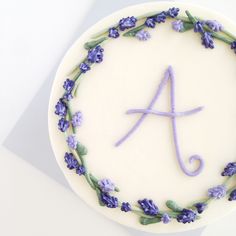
<point>145,165</point>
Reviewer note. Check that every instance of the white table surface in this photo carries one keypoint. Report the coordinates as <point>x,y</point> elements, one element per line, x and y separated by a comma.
<point>34,37</point>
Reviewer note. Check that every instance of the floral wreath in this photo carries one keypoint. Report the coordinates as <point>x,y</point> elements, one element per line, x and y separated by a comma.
<point>105,189</point>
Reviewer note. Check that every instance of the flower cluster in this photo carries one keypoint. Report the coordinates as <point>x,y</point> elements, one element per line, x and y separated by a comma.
<point>230,169</point>
<point>72,163</point>
<point>106,185</point>
<point>143,35</point>
<point>233,46</point>
<point>214,25</point>
<point>186,216</point>
<point>109,201</point>
<point>200,206</point>
<point>68,86</point>
<point>232,196</point>
<point>161,17</point>
<point>72,141</point>
<point>125,206</point>
<point>165,218</point>
<point>217,192</point>
<point>63,124</point>
<point>77,119</point>
<point>61,108</point>
<point>127,23</point>
<point>148,207</point>
<point>178,25</point>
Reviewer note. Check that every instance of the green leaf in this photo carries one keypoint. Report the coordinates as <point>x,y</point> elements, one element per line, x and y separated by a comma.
<point>191,18</point>
<point>173,206</point>
<point>146,221</point>
<point>82,150</point>
<point>94,43</point>
<point>187,26</point>
<point>134,31</point>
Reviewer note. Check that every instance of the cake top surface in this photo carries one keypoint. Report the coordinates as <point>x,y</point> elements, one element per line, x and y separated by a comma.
<point>149,108</point>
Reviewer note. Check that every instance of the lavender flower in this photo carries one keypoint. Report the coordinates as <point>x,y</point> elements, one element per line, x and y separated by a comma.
<point>77,119</point>
<point>113,33</point>
<point>233,46</point>
<point>84,67</point>
<point>186,216</point>
<point>125,206</point>
<point>95,55</point>
<point>69,85</point>
<point>172,12</point>
<point>143,35</point>
<point>126,23</point>
<point>200,206</point>
<point>230,169</point>
<point>232,196</point>
<point>80,170</point>
<point>150,22</point>
<point>214,25</point>
<point>217,192</point>
<point>72,141</point>
<point>165,218</point>
<point>207,40</point>
<point>106,185</point>
<point>198,27</point>
<point>148,207</point>
<point>68,96</point>
<point>71,161</point>
<point>61,108</point>
<point>63,124</point>
<point>161,17</point>
<point>109,201</point>
<point>178,25</point>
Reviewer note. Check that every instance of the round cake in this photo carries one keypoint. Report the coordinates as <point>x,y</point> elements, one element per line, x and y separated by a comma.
<point>142,116</point>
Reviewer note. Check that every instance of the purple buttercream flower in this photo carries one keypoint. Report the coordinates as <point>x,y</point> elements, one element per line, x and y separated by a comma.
<point>67,96</point>
<point>161,17</point>
<point>198,27</point>
<point>109,201</point>
<point>84,67</point>
<point>232,196</point>
<point>186,216</point>
<point>106,185</point>
<point>71,161</point>
<point>178,25</point>
<point>200,206</point>
<point>113,33</point>
<point>148,207</point>
<point>95,55</point>
<point>233,46</point>
<point>172,12</point>
<point>77,119</point>
<point>150,22</point>
<point>80,170</point>
<point>63,124</point>
<point>72,141</point>
<point>61,108</point>
<point>128,22</point>
<point>214,25</point>
<point>143,35</point>
<point>69,85</point>
<point>125,206</point>
<point>230,169</point>
<point>207,40</point>
<point>165,218</point>
<point>217,192</point>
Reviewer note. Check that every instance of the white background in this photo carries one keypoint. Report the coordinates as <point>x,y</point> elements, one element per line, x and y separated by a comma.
<point>34,35</point>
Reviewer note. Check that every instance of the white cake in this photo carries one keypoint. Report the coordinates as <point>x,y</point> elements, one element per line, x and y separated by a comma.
<point>145,165</point>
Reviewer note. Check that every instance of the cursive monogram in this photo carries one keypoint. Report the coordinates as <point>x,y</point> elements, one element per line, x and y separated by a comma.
<point>169,76</point>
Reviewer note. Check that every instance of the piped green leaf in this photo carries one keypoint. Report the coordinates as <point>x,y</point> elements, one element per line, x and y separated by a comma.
<point>94,43</point>
<point>173,206</point>
<point>134,31</point>
<point>82,150</point>
<point>148,221</point>
<point>186,27</point>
